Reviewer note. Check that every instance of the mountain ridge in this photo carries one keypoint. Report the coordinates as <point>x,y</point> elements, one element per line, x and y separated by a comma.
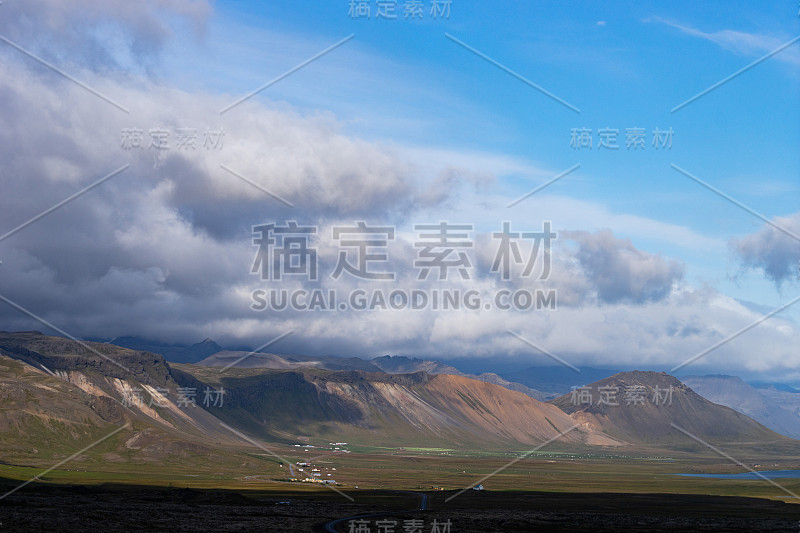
<point>647,406</point>
<point>386,409</point>
<point>762,405</point>
<point>309,403</point>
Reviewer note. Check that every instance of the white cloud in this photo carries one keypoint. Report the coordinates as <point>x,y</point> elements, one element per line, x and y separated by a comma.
<point>102,33</point>
<point>773,249</point>
<point>163,249</point>
<point>748,44</point>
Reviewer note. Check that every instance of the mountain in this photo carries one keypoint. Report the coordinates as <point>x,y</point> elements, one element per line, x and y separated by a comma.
<point>732,392</point>
<point>41,414</point>
<point>70,392</point>
<point>557,379</point>
<point>176,353</point>
<point>59,395</point>
<point>398,364</point>
<point>146,345</point>
<point>243,359</point>
<point>488,377</point>
<point>383,409</point>
<point>783,387</point>
<point>390,364</point>
<point>648,403</point>
<point>196,352</point>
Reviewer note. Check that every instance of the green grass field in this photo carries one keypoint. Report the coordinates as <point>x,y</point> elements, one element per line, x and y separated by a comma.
<point>425,468</point>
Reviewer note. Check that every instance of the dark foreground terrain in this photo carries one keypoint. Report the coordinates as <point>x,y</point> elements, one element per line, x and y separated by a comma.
<point>115,508</point>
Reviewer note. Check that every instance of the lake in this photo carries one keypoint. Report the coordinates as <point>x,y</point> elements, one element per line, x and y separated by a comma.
<point>769,474</point>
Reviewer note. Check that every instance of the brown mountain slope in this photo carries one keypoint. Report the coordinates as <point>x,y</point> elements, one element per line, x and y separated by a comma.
<point>647,406</point>
<point>398,364</point>
<point>40,413</point>
<point>388,363</point>
<point>67,392</point>
<point>505,414</point>
<point>384,409</point>
<point>58,396</point>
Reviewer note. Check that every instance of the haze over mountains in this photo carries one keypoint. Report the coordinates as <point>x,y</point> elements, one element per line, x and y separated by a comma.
<point>62,391</point>
<point>542,383</point>
<point>778,410</point>
<point>172,352</point>
<point>387,364</point>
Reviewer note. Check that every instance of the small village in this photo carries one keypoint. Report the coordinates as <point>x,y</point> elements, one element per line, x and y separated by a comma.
<point>317,473</point>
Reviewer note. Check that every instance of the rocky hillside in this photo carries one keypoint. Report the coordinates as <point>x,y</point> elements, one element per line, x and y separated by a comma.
<point>397,364</point>
<point>758,404</point>
<point>640,407</point>
<point>57,395</point>
<point>385,409</point>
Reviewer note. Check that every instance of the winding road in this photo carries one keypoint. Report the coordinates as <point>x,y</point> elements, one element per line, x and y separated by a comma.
<point>330,527</point>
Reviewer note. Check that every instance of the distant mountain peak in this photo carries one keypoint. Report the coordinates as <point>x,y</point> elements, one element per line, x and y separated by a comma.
<point>176,353</point>
<point>396,358</point>
<point>645,377</point>
<point>715,376</point>
<point>645,407</point>
<point>771,407</point>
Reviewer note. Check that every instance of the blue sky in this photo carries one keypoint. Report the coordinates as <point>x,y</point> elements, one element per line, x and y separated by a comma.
<point>402,124</point>
<point>623,67</point>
